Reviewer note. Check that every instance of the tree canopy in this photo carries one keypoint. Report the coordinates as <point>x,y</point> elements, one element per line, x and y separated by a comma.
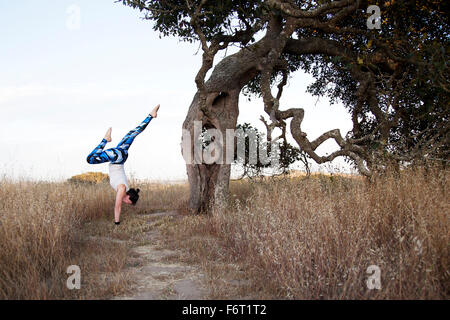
<point>393,80</point>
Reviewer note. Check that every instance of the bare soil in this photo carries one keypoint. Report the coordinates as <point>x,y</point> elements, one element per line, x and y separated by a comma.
<point>156,272</point>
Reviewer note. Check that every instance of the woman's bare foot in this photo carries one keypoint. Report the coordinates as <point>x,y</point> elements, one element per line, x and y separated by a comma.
<point>108,135</point>
<point>154,112</point>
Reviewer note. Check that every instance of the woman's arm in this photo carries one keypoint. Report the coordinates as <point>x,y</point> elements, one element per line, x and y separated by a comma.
<point>121,191</point>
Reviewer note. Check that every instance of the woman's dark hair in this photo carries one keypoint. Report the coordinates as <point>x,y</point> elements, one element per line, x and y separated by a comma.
<point>134,195</point>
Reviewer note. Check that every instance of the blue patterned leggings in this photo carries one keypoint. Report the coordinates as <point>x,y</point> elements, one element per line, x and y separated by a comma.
<point>119,154</point>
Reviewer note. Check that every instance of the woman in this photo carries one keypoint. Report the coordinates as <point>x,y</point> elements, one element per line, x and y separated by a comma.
<point>116,158</point>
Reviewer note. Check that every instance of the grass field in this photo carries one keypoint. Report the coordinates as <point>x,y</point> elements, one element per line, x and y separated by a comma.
<point>286,238</point>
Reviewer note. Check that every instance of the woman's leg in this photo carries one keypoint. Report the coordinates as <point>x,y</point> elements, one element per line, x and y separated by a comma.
<point>129,137</point>
<point>100,156</point>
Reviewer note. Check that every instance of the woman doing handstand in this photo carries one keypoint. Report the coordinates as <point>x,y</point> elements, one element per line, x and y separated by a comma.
<point>116,158</point>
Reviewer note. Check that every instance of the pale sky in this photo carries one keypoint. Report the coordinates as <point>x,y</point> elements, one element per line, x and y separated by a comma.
<point>62,84</point>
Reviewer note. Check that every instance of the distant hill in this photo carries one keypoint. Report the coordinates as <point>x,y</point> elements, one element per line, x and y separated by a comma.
<point>298,173</point>
<point>301,174</point>
<point>90,177</point>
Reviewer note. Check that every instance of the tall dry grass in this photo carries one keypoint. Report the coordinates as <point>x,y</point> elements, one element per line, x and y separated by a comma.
<point>285,238</point>
<point>160,197</point>
<point>40,235</point>
<point>315,238</point>
<point>46,227</point>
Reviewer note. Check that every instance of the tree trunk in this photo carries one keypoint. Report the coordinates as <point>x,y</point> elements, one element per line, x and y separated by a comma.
<point>218,108</point>
<point>209,182</point>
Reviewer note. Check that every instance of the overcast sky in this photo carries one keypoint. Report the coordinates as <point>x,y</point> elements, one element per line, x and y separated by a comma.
<point>62,84</point>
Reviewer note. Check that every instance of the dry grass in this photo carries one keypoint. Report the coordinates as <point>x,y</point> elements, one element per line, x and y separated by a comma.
<point>315,238</point>
<point>40,236</point>
<point>280,239</point>
<point>162,197</point>
<point>46,227</point>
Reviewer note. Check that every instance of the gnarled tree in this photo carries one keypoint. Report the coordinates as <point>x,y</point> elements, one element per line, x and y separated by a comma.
<point>398,107</point>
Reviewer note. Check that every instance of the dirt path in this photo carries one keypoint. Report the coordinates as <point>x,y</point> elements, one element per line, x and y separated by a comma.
<point>156,271</point>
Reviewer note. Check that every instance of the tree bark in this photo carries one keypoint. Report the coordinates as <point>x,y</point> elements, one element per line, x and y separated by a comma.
<point>218,108</point>
<point>209,182</point>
